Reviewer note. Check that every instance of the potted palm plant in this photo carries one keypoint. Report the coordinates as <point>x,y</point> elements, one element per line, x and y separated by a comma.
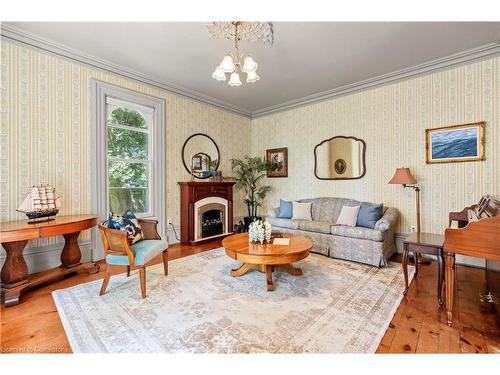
<point>249,174</point>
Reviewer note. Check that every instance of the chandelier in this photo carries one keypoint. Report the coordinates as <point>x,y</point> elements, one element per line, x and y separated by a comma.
<point>235,63</point>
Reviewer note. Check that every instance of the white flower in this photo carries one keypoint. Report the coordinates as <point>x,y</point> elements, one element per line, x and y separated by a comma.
<point>259,231</point>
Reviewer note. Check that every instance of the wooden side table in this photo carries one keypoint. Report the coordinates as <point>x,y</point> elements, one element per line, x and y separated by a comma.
<point>424,243</point>
<point>14,236</point>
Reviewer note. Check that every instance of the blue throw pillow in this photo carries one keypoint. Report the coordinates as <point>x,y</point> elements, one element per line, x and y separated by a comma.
<point>127,222</point>
<point>286,209</point>
<point>369,214</point>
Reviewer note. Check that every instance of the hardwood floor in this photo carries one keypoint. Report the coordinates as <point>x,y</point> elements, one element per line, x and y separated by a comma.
<point>418,326</point>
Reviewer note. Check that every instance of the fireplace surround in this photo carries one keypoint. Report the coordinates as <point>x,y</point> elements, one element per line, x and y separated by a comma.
<point>206,211</point>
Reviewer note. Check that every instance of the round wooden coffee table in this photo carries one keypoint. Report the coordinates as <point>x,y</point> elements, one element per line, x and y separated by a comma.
<point>267,256</point>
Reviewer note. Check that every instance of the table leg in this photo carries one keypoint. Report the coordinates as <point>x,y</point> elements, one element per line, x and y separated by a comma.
<point>440,277</point>
<point>241,270</point>
<point>292,270</point>
<point>416,256</point>
<point>15,270</point>
<point>405,267</point>
<point>449,284</point>
<point>269,278</point>
<point>71,253</point>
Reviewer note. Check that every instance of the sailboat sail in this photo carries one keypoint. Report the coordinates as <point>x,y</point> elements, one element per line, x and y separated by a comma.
<point>40,202</point>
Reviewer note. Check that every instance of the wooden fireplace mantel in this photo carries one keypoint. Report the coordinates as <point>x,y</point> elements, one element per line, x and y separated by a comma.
<point>193,191</point>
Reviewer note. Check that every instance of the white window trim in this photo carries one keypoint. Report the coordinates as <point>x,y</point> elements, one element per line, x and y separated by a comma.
<point>103,93</point>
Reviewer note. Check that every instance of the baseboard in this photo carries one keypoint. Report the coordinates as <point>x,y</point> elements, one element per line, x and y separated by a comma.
<point>42,258</point>
<point>460,259</point>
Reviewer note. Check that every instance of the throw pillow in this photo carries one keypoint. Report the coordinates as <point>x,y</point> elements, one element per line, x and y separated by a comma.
<point>286,209</point>
<point>301,211</point>
<point>348,216</point>
<point>369,214</point>
<point>127,222</point>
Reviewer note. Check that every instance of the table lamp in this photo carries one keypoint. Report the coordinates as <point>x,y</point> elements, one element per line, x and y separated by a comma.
<point>403,176</point>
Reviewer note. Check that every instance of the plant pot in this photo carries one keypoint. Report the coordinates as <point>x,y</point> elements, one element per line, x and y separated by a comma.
<point>250,219</point>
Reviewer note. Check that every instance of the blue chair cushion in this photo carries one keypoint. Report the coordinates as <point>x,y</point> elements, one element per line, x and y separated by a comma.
<point>286,209</point>
<point>144,251</point>
<point>369,214</point>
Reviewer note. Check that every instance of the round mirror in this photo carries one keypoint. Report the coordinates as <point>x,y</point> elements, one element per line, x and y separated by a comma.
<point>200,155</point>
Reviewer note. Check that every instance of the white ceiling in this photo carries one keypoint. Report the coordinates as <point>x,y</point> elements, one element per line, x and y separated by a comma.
<point>305,59</point>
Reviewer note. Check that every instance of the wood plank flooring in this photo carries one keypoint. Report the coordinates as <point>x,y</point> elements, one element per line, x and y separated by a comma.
<point>418,326</point>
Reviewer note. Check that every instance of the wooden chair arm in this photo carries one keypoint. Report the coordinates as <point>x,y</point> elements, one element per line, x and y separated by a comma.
<point>149,230</point>
<point>116,242</point>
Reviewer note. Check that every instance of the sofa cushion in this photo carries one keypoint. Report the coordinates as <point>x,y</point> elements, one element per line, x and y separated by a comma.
<point>369,214</point>
<point>357,232</point>
<point>328,208</point>
<point>348,216</point>
<point>286,209</point>
<point>301,211</point>
<point>283,223</point>
<point>315,226</point>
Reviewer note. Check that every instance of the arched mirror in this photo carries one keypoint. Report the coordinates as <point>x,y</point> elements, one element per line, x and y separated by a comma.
<point>200,155</point>
<point>340,158</point>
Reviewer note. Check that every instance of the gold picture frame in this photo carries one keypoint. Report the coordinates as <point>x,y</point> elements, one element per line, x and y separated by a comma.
<point>279,157</point>
<point>455,143</point>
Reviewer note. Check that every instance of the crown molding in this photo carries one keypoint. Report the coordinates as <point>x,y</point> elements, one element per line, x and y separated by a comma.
<point>16,35</point>
<point>480,53</point>
<point>461,58</point>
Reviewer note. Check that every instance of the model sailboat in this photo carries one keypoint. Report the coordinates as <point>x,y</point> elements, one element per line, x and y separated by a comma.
<point>40,204</point>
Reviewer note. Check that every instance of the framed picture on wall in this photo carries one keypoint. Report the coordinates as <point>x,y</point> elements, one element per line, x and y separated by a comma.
<point>197,162</point>
<point>457,143</point>
<point>278,157</point>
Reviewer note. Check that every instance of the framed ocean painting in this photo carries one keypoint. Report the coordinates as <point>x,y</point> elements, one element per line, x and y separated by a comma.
<point>455,143</point>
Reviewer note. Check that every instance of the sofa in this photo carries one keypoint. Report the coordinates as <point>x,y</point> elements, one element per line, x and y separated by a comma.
<point>358,244</point>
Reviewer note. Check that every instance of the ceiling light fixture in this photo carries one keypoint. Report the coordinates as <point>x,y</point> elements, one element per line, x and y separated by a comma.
<point>233,62</point>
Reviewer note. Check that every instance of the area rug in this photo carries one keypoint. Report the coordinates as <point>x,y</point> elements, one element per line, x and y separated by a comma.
<point>335,307</point>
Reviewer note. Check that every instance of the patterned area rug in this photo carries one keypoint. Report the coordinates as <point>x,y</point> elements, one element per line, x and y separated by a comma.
<point>335,307</point>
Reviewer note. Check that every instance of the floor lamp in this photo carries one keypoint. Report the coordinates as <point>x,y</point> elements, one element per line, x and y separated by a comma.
<point>403,176</point>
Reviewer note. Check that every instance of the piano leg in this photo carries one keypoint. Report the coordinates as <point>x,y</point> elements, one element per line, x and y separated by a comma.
<point>449,285</point>
<point>440,276</point>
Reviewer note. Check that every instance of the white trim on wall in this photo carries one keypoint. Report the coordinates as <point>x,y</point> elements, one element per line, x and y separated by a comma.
<point>466,57</point>
<point>100,92</point>
<point>17,35</point>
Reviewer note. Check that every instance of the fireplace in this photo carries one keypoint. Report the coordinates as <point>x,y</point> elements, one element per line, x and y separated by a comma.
<point>211,219</point>
<point>206,210</point>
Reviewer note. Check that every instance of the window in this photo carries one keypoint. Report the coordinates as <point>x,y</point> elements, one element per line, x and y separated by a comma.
<point>129,157</point>
<point>128,165</point>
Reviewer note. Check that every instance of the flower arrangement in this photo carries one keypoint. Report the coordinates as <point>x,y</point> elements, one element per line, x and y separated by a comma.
<point>259,231</point>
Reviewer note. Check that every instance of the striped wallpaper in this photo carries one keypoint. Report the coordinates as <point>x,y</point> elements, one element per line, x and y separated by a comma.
<point>45,136</point>
<point>45,130</point>
<point>392,120</point>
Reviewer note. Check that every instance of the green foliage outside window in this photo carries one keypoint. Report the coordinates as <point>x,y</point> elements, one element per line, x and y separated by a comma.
<point>128,181</point>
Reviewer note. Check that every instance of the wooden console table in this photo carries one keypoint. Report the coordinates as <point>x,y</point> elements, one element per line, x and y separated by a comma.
<point>14,236</point>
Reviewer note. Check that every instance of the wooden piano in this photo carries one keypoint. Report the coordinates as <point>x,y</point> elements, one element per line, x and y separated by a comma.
<point>477,235</point>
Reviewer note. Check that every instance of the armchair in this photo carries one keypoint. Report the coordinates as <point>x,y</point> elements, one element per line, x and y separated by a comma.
<point>120,253</point>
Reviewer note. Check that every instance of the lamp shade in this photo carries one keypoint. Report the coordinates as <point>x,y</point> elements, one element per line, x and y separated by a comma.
<point>249,65</point>
<point>402,176</point>
<point>218,74</point>
<point>227,64</point>
<point>234,80</point>
<point>252,77</point>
